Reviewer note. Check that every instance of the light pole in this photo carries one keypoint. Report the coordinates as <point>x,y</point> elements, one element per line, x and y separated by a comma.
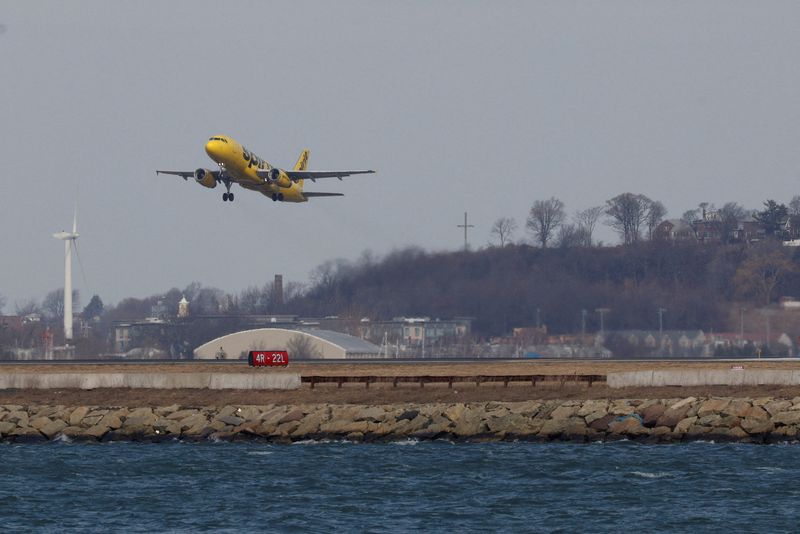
<point>538,318</point>
<point>583,323</point>
<point>741,326</point>
<point>602,311</point>
<point>661,323</point>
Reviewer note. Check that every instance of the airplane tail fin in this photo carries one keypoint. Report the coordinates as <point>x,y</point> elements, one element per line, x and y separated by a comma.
<point>302,163</point>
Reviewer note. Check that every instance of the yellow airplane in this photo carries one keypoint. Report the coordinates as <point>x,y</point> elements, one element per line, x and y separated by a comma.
<point>239,165</point>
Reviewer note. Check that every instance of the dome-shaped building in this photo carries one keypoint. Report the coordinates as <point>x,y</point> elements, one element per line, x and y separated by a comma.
<point>301,345</point>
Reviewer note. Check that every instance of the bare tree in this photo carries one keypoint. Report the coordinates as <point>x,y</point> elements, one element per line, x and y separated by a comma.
<point>301,346</point>
<point>503,229</point>
<point>27,307</point>
<point>794,205</point>
<point>627,212</point>
<point>655,214</point>
<point>544,218</point>
<point>730,216</point>
<point>570,235</point>
<point>2,302</point>
<point>587,220</point>
<point>53,303</point>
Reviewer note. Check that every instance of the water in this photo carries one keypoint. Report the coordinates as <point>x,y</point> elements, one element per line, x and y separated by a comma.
<point>321,487</point>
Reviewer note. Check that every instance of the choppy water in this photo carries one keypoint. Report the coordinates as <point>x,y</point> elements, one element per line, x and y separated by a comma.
<point>321,487</point>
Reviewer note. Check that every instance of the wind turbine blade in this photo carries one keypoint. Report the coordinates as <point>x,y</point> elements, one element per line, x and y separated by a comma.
<point>75,220</point>
<point>80,264</point>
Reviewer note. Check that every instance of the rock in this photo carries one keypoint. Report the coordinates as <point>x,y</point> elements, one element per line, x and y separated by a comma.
<point>166,410</point>
<point>52,428</point>
<point>757,426</point>
<point>529,408</point>
<point>683,425</point>
<point>651,414</point>
<point>77,415</point>
<point>735,433</point>
<point>309,425</point>
<point>564,412</point>
<point>455,412</point>
<point>513,424</point>
<point>6,428</point>
<point>191,422</point>
<point>294,415</point>
<point>627,426</point>
<point>776,407</point>
<point>786,432</point>
<point>231,420</point>
<point>110,420</point>
<point>249,413</point>
<point>712,406</point>
<point>756,412</point>
<point>593,407</point>
<point>371,413</point>
<point>787,418</point>
<point>710,419</point>
<point>74,433</point>
<point>39,423</point>
<point>696,431</point>
<point>672,416</point>
<point>738,408</point>
<point>91,420</point>
<point>27,435</point>
<point>227,410</point>
<point>621,407</point>
<point>683,402</point>
<point>182,414</point>
<point>472,425</point>
<point>602,423</point>
<point>145,420</point>
<point>340,427</point>
<point>97,431</point>
<point>408,415</point>
<point>19,417</point>
<point>553,428</point>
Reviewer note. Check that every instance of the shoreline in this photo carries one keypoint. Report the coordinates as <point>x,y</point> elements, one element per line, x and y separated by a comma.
<point>669,420</point>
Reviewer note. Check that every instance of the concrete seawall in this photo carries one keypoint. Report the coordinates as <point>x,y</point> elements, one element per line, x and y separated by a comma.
<point>762,420</point>
<point>150,380</point>
<point>705,377</point>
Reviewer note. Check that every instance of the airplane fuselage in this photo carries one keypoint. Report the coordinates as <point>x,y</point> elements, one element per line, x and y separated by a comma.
<point>242,165</point>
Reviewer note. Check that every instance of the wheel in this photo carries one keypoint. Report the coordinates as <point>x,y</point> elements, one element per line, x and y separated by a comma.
<point>280,197</point>
<point>224,197</point>
<point>230,197</point>
<point>274,197</point>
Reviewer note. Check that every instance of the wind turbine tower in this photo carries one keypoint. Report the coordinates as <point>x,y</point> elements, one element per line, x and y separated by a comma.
<point>69,243</point>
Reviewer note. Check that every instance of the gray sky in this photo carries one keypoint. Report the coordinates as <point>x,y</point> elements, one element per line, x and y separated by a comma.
<point>461,106</point>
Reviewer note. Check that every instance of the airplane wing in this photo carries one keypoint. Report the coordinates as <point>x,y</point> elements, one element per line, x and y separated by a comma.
<point>313,175</point>
<point>183,174</point>
<point>309,194</point>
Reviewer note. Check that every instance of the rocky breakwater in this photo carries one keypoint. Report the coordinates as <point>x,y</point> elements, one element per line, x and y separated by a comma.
<point>762,420</point>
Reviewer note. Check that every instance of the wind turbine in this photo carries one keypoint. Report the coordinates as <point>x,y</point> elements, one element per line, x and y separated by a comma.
<point>69,242</point>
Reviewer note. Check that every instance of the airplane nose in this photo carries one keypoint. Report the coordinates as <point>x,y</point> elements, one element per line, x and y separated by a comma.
<point>212,149</point>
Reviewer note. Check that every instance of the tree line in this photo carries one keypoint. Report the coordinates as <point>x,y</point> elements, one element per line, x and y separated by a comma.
<point>635,217</point>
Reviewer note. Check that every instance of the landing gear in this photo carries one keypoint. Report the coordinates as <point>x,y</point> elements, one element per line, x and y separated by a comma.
<point>227,196</point>
<point>277,196</point>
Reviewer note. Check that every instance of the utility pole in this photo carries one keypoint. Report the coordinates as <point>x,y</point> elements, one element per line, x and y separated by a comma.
<point>661,323</point>
<point>741,326</point>
<point>465,226</point>
<point>602,311</point>
<point>583,322</point>
<point>538,318</point>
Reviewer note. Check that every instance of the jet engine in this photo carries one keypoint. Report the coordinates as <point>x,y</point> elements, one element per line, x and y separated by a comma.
<point>205,178</point>
<point>279,178</point>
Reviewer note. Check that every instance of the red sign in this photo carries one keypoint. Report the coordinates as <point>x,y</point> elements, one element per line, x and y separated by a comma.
<point>268,358</point>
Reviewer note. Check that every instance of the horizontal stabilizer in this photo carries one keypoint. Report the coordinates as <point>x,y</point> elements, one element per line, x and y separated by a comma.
<point>309,194</point>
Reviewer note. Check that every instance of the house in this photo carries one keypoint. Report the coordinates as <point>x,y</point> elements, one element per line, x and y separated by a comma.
<point>673,230</point>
